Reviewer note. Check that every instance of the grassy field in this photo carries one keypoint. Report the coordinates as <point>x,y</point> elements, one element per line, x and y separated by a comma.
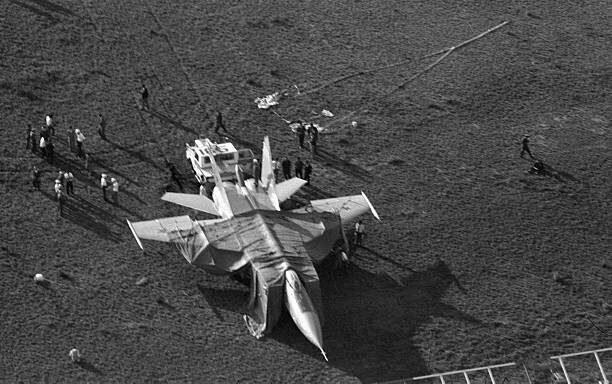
<point>459,272</point>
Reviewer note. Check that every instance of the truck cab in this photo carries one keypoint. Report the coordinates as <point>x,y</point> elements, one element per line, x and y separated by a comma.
<point>226,156</point>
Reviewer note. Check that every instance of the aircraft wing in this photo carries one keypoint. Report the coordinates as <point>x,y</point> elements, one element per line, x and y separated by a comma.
<point>198,202</point>
<point>287,188</point>
<point>348,207</point>
<point>167,229</point>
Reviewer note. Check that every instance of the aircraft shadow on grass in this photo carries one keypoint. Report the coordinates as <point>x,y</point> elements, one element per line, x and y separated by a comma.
<point>369,319</point>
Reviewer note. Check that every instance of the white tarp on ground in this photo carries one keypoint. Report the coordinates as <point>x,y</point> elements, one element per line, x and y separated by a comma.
<point>267,101</point>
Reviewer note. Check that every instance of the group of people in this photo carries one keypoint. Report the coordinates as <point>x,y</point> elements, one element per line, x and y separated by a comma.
<point>63,182</point>
<point>45,145</point>
<point>309,130</point>
<point>114,191</point>
<point>301,169</point>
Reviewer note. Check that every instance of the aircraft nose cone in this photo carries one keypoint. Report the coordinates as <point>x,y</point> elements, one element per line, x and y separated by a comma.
<point>302,310</point>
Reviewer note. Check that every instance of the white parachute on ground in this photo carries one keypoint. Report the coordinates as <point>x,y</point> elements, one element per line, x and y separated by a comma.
<point>267,101</point>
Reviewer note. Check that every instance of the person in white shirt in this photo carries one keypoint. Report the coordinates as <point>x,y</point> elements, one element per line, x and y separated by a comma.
<point>104,185</point>
<point>69,177</point>
<point>43,146</point>
<point>80,138</point>
<point>202,189</point>
<point>115,184</point>
<point>50,126</point>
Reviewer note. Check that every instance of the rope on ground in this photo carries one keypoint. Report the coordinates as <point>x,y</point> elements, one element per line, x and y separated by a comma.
<point>446,52</point>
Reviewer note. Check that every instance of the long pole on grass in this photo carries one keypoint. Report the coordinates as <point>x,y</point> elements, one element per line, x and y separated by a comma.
<point>444,52</point>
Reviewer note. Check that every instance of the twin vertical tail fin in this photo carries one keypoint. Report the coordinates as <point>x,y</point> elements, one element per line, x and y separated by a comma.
<point>268,181</point>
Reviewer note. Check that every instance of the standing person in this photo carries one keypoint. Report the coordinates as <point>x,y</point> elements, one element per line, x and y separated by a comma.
<point>60,177</point>
<point>36,178</point>
<point>286,165</point>
<point>69,177</point>
<point>101,126</point>
<point>43,146</point>
<point>115,190</point>
<point>32,138</point>
<point>71,140</point>
<point>219,123</point>
<point>104,186</point>
<point>307,172</point>
<point>144,95</point>
<point>50,151</point>
<point>275,168</point>
<point>202,189</point>
<point>301,133</point>
<point>256,172</point>
<point>525,147</point>
<point>44,132</point>
<point>314,138</point>
<point>80,138</point>
<point>299,168</point>
<point>359,233</point>
<point>50,126</point>
<point>29,133</point>
<point>59,196</point>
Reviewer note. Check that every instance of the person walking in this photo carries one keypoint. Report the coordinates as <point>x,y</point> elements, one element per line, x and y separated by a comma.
<point>104,185</point>
<point>36,178</point>
<point>144,96</point>
<point>101,126</point>
<point>69,177</point>
<point>32,138</point>
<point>80,138</point>
<point>286,165</point>
<point>307,172</point>
<point>115,190</point>
<point>299,168</point>
<point>219,123</point>
<point>359,233</point>
<point>525,147</point>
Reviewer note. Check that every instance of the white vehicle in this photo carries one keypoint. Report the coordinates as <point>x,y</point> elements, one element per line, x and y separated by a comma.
<point>226,158</point>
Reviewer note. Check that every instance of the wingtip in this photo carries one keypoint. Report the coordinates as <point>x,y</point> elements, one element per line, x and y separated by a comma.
<point>372,209</point>
<point>129,223</point>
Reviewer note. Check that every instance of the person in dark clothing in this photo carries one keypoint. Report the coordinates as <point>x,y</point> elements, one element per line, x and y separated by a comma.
<point>36,178</point>
<point>301,133</point>
<point>71,140</point>
<point>144,95</point>
<point>33,140</point>
<point>286,166</point>
<point>299,168</point>
<point>101,126</point>
<point>50,151</point>
<point>29,133</point>
<point>44,132</point>
<point>219,123</point>
<point>307,172</point>
<point>314,138</point>
<point>525,147</point>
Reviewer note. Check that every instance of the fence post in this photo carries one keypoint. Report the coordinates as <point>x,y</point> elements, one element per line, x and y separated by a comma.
<point>491,375</point>
<point>564,371</point>
<point>603,374</point>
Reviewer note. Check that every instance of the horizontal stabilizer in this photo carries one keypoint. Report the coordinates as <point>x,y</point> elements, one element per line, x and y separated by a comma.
<point>287,188</point>
<point>197,202</point>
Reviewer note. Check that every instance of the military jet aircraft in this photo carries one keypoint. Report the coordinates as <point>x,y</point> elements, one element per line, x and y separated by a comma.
<point>251,232</point>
